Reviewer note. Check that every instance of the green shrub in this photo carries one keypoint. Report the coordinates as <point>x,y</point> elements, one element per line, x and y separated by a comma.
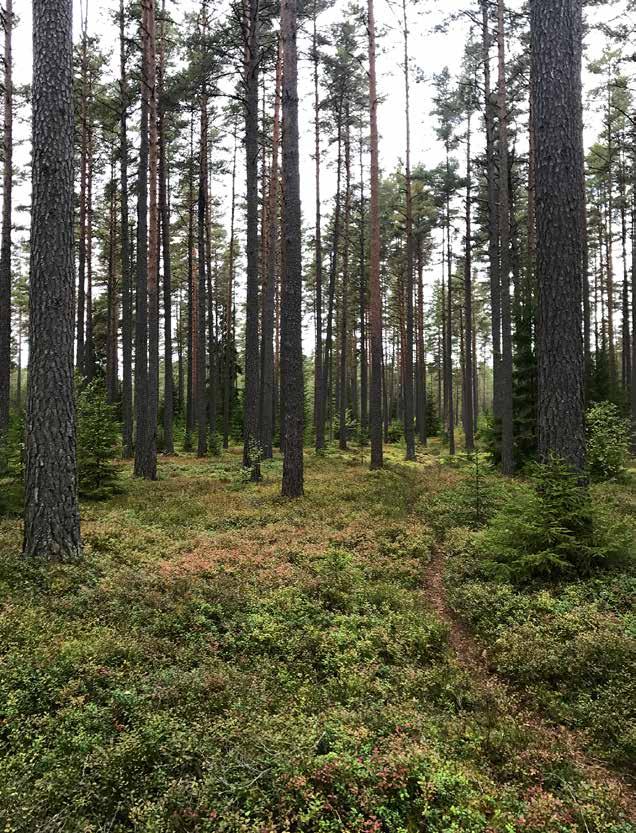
<point>607,441</point>
<point>551,529</point>
<point>12,467</point>
<point>97,443</point>
<point>396,431</point>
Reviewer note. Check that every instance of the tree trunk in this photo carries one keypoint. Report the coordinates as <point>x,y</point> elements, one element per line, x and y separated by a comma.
<point>556,27</point>
<point>375,299</point>
<point>202,421</point>
<point>407,377</point>
<point>469,406</point>
<point>342,414</point>
<point>267,335</point>
<point>164,212</point>
<point>250,439</point>
<point>318,387</point>
<point>5,243</point>
<point>364,372</point>
<point>51,517</point>
<point>81,255</point>
<point>228,367</point>
<point>493,224</point>
<point>507,438</point>
<point>126,289</point>
<point>291,296</point>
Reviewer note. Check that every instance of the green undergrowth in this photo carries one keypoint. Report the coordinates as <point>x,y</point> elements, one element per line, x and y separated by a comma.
<point>566,639</point>
<point>225,660</point>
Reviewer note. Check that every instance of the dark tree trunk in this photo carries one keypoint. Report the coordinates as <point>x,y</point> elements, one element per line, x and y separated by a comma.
<point>5,243</point>
<point>375,300</point>
<point>202,421</point>
<point>250,440</point>
<point>228,366</point>
<point>556,27</point>
<point>318,386</point>
<point>364,371</point>
<point>507,438</point>
<point>164,211</point>
<point>407,377</point>
<point>81,255</point>
<point>421,351</point>
<point>143,456</point>
<point>269,289</point>
<point>150,465</point>
<point>51,517</point>
<point>469,407</point>
<point>493,223</point>
<point>112,335</point>
<point>342,414</point>
<point>291,295</point>
<point>191,308</point>
<point>448,359</point>
<point>89,344</point>
<point>126,289</point>
<point>327,403</point>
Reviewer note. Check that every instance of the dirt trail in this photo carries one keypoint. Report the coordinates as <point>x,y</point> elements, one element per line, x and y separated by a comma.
<point>472,659</point>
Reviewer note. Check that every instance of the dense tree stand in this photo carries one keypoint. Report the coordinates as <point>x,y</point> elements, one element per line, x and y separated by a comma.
<point>51,518</point>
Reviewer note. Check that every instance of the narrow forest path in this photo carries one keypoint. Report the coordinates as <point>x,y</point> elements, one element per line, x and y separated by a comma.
<point>471,657</point>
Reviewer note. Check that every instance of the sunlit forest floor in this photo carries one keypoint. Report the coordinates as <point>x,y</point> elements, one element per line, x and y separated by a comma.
<point>225,660</point>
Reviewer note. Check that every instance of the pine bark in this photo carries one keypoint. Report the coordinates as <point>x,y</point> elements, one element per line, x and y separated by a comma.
<point>469,401</point>
<point>250,440</point>
<point>318,370</point>
<point>291,294</point>
<point>126,288</point>
<point>164,210</point>
<point>375,297</point>
<point>556,28</point>
<point>407,379</point>
<point>507,437</point>
<point>51,517</point>
<point>202,422</point>
<point>269,288</point>
<point>5,241</point>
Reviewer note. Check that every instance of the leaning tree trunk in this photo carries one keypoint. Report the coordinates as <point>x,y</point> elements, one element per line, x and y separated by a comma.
<point>5,244</point>
<point>51,517</point>
<point>375,297</point>
<point>291,294</point>
<point>556,27</point>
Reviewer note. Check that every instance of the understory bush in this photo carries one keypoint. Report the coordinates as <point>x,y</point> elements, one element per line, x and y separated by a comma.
<point>553,528</point>
<point>607,441</point>
<point>97,443</point>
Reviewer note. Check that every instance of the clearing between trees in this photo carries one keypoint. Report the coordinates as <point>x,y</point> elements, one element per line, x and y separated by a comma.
<point>227,660</point>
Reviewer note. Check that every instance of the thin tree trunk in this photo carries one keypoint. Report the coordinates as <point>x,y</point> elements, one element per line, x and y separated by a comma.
<point>250,440</point>
<point>164,212</point>
<point>228,367</point>
<point>267,335</point>
<point>126,289</point>
<point>375,300</point>
<point>364,373</point>
<point>51,516</point>
<point>407,378</point>
<point>469,406</point>
<point>202,421</point>
<point>507,436</point>
<point>318,386</point>
<point>345,287</point>
<point>81,257</point>
<point>5,242</point>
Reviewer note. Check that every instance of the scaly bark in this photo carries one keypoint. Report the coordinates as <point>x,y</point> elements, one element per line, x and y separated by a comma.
<point>51,516</point>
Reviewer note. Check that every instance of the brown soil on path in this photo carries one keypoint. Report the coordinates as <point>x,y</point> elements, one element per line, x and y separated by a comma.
<point>472,658</point>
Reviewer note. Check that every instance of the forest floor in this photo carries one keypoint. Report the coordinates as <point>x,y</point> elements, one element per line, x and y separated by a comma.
<point>224,660</point>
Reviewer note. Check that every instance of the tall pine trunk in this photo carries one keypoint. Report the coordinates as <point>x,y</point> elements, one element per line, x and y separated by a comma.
<point>375,296</point>
<point>556,29</point>
<point>51,516</point>
<point>5,242</point>
<point>291,350</point>
<point>126,288</point>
